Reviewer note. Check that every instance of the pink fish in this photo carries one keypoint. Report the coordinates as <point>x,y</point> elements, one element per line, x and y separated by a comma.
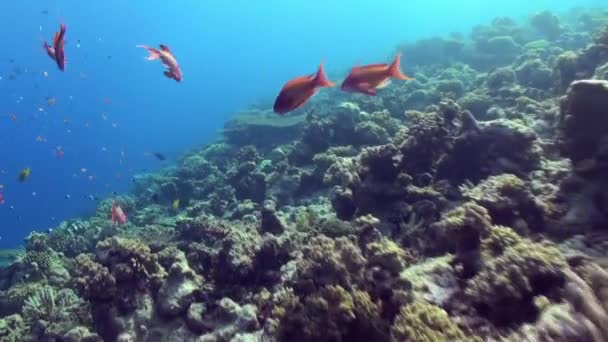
<point>166,56</point>
<point>118,216</point>
<point>57,50</point>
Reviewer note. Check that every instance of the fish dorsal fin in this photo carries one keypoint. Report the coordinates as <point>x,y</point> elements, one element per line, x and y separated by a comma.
<point>384,83</point>
<point>165,48</point>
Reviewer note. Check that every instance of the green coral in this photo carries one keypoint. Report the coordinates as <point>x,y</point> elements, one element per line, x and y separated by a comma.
<point>52,306</point>
<point>424,322</point>
<point>59,311</point>
<point>13,298</point>
<point>505,288</point>
<point>499,239</point>
<point>327,261</point>
<point>464,226</point>
<point>389,255</point>
<point>12,328</point>
<point>332,314</point>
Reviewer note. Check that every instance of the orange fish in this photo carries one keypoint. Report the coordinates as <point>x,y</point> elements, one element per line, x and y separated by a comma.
<point>57,52</point>
<point>166,56</point>
<point>118,216</point>
<point>368,78</point>
<point>296,92</point>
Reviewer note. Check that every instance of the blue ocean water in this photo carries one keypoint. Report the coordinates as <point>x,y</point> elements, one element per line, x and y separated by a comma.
<point>113,107</point>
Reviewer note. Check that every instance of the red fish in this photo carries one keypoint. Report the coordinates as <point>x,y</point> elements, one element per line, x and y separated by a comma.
<point>1,198</point>
<point>368,78</point>
<point>57,51</point>
<point>59,152</point>
<point>118,216</point>
<point>166,56</point>
<point>296,92</point>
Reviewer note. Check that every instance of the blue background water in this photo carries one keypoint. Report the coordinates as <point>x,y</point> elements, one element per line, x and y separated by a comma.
<point>232,53</point>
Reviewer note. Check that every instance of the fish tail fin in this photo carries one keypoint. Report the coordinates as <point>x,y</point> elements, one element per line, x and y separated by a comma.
<point>154,54</point>
<point>321,79</point>
<point>394,70</point>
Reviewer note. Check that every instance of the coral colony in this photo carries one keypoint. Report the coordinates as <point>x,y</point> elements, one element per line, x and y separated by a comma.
<point>469,204</point>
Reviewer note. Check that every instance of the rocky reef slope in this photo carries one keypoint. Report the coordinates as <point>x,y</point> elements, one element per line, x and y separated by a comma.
<point>468,205</point>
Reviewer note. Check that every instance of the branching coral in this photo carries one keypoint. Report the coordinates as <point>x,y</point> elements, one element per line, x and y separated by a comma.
<point>51,306</point>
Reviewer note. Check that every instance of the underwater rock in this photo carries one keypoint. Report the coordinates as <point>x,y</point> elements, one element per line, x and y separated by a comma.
<point>477,103</point>
<point>270,223</point>
<point>262,128</point>
<point>434,280</point>
<point>500,77</point>
<point>584,120</point>
<point>534,73</point>
<point>433,51</point>
<point>180,288</point>
<point>226,321</point>
<point>248,182</point>
<point>370,133</point>
<point>81,334</point>
<point>343,203</point>
<point>496,147</point>
<point>547,24</point>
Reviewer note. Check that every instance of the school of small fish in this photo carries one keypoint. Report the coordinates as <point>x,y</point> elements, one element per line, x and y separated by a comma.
<point>293,95</point>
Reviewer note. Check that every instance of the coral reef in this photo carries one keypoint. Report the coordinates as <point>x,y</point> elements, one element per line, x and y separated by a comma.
<point>469,204</point>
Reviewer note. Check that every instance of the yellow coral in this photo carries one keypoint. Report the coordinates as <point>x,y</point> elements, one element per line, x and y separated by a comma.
<point>423,322</point>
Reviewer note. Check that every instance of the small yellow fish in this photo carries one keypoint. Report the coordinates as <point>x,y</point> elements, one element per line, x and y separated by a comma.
<point>24,174</point>
<point>175,204</point>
